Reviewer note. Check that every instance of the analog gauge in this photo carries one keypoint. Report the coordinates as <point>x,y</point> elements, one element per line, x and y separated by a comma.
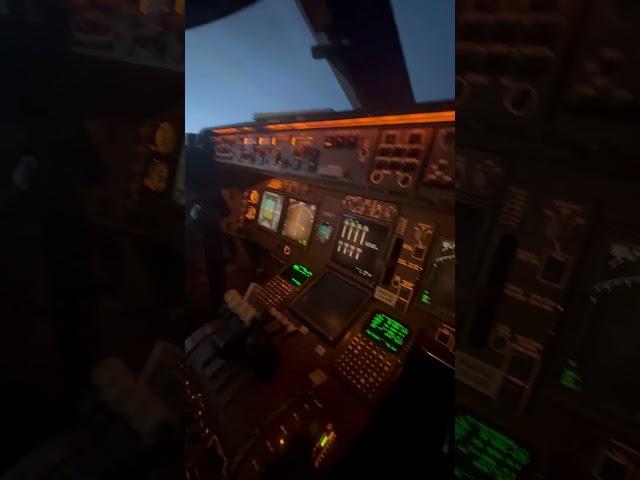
<point>299,221</point>
<point>254,197</point>
<point>157,176</point>
<point>165,138</point>
<point>250,214</point>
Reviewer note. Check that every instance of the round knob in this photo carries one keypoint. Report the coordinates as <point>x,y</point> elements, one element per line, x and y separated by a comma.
<point>376,177</point>
<point>499,343</point>
<point>521,99</point>
<point>404,180</point>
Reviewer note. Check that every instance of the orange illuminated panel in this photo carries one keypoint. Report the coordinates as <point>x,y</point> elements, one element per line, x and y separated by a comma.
<point>275,184</point>
<point>301,140</point>
<point>233,130</point>
<point>227,130</point>
<point>432,117</point>
<point>369,121</point>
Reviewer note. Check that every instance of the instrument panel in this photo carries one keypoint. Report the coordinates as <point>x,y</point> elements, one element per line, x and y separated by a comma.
<point>369,199</point>
<point>545,348</point>
<point>385,248</point>
<point>354,212</point>
<point>413,157</point>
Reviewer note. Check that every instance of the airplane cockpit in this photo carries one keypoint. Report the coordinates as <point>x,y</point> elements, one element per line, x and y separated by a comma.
<point>322,272</point>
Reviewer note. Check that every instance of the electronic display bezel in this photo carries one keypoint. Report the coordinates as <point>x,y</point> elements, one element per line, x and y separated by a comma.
<point>357,311</point>
<point>382,252</point>
<point>441,313</point>
<point>285,209</point>
<point>580,325</point>
<point>285,202</point>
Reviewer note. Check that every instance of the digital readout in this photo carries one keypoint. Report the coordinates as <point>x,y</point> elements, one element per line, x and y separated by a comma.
<point>387,331</point>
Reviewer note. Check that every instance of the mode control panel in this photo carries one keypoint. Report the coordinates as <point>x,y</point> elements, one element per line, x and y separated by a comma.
<point>386,154</point>
<point>398,158</point>
<point>339,155</point>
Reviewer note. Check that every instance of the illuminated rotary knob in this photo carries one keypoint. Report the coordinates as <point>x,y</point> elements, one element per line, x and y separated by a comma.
<point>254,197</point>
<point>250,214</point>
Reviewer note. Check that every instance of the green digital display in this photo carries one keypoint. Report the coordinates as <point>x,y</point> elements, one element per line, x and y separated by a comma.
<point>297,274</point>
<point>570,377</point>
<point>387,331</point>
<point>426,297</point>
<point>483,453</point>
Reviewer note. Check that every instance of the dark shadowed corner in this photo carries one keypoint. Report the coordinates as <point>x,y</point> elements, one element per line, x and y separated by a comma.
<point>92,259</point>
<point>547,355</point>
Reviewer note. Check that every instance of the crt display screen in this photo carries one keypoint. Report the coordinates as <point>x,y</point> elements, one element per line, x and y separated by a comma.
<point>359,244</point>
<point>297,274</point>
<point>387,331</point>
<point>440,280</point>
<point>482,453</point>
<point>271,210</point>
<point>299,221</point>
<point>329,305</point>
<point>605,362</point>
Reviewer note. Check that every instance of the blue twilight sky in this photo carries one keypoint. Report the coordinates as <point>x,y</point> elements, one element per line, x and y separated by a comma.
<point>259,60</point>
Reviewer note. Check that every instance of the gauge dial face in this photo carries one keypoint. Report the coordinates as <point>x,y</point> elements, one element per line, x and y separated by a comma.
<point>606,365</point>
<point>439,286</point>
<point>250,214</point>
<point>165,138</point>
<point>299,221</point>
<point>157,176</point>
<point>254,197</point>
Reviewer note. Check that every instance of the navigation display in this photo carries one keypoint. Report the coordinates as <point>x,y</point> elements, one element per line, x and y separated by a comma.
<point>298,222</point>
<point>604,365</point>
<point>387,331</point>
<point>482,453</point>
<point>359,244</point>
<point>329,305</point>
<point>271,211</point>
<point>440,281</point>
